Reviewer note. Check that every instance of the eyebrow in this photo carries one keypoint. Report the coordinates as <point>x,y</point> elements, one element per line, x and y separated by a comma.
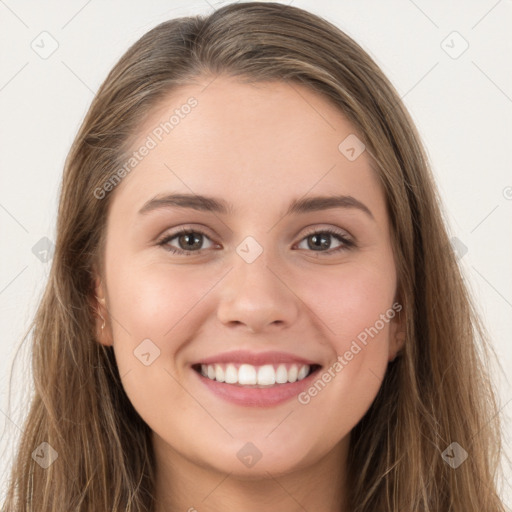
<point>216,205</point>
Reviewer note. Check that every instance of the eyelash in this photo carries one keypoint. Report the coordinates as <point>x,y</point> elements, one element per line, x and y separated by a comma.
<point>347,244</point>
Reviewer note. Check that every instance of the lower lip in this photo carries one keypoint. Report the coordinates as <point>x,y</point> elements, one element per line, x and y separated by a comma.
<point>257,397</point>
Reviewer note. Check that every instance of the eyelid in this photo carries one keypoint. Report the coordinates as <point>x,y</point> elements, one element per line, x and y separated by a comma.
<point>186,228</point>
<point>312,229</point>
<point>315,228</point>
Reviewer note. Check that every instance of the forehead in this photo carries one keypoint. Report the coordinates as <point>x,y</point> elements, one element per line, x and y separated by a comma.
<point>252,143</point>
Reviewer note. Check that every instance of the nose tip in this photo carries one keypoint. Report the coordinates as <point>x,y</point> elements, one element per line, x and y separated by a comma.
<point>253,296</point>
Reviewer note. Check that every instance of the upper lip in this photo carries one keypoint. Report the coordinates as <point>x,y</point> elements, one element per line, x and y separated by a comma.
<point>255,358</point>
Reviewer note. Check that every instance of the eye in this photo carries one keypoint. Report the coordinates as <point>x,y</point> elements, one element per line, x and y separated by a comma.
<point>190,240</point>
<point>320,240</point>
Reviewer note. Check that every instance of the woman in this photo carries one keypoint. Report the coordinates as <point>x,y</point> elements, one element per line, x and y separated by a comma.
<point>253,303</point>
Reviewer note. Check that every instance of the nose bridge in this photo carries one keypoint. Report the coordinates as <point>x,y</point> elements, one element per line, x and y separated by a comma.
<point>253,292</point>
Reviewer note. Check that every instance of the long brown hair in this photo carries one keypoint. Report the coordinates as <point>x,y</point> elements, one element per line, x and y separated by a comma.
<point>438,390</point>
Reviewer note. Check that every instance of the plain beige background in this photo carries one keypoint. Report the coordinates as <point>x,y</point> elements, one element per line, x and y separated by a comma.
<point>450,63</point>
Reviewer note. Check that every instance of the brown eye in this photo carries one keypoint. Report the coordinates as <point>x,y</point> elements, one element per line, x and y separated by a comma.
<point>321,240</point>
<point>188,241</point>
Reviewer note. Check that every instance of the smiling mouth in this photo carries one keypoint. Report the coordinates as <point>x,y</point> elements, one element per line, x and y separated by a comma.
<point>251,376</point>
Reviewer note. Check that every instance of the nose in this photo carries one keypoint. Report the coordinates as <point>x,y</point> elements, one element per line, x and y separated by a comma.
<point>257,296</point>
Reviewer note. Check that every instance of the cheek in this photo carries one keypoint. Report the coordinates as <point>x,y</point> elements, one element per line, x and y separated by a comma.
<point>153,301</point>
<point>151,307</point>
<point>350,300</point>
<point>356,310</point>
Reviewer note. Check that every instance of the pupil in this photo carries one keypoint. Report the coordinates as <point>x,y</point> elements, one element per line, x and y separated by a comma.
<point>196,240</point>
<point>323,245</point>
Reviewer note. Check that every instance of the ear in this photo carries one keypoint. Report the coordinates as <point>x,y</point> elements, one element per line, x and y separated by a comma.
<point>102,317</point>
<point>397,331</point>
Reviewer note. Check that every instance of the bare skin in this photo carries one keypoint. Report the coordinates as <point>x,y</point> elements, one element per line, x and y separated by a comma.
<point>258,147</point>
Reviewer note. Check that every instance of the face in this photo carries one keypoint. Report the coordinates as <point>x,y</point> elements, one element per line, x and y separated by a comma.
<point>293,308</point>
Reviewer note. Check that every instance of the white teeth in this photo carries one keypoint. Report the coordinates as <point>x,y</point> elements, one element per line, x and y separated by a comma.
<point>246,375</point>
<point>249,375</point>
<point>231,374</point>
<point>281,374</point>
<point>219,373</point>
<point>302,373</point>
<point>266,375</point>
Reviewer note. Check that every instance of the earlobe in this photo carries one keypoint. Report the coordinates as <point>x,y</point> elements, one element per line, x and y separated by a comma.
<point>102,327</point>
<point>397,346</point>
<point>398,335</point>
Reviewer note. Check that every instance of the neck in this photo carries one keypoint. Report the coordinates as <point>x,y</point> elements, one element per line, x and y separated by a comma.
<point>185,485</point>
